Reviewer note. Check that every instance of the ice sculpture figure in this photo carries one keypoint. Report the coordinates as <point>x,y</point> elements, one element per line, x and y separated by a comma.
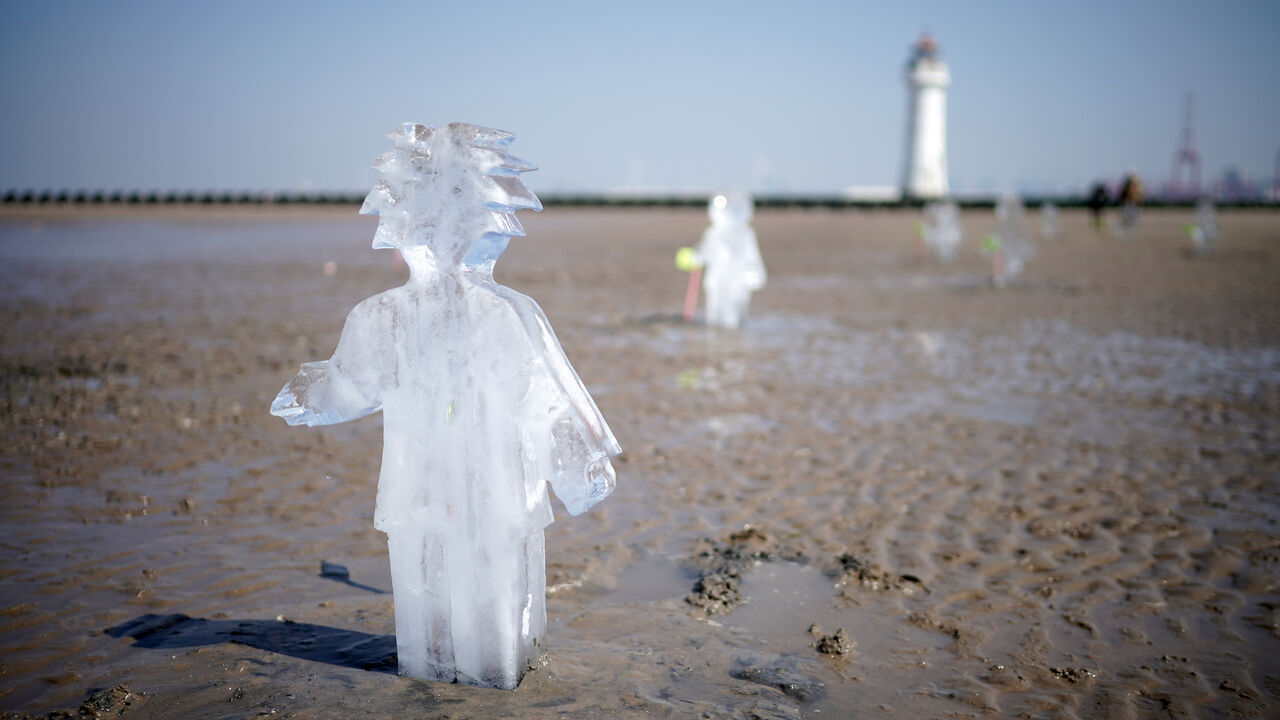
<point>481,410</point>
<point>1048,221</point>
<point>942,231</point>
<point>1012,247</point>
<point>731,257</point>
<point>1204,231</point>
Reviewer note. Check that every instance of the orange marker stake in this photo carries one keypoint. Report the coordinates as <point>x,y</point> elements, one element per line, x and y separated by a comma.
<point>688,261</point>
<point>691,294</point>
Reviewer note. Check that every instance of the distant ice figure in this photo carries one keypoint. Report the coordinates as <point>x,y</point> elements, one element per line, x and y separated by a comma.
<point>942,231</point>
<point>1204,232</point>
<point>1048,221</point>
<point>481,410</point>
<point>1010,247</point>
<point>731,257</point>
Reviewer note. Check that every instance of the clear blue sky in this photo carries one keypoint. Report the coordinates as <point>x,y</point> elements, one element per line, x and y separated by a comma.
<point>790,96</point>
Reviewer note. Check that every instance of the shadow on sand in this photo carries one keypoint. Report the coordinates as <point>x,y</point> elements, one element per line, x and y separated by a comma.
<point>317,643</point>
<point>339,573</point>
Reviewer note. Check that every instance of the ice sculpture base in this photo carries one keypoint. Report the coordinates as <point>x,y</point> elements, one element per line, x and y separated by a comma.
<point>468,610</point>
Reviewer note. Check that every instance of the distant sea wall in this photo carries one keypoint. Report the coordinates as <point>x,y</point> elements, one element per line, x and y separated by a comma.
<point>602,200</point>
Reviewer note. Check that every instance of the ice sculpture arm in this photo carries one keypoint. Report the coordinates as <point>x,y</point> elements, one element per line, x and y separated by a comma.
<point>582,486</point>
<point>582,437</point>
<point>342,388</point>
<point>581,441</point>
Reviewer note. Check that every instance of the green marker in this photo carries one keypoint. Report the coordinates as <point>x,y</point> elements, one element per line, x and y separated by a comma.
<point>687,259</point>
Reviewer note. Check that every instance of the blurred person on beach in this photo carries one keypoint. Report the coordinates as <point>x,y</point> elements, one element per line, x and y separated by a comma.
<point>1098,201</point>
<point>1129,197</point>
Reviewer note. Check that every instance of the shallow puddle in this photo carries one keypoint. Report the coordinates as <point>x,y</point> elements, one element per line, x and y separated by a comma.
<point>651,580</point>
<point>782,601</point>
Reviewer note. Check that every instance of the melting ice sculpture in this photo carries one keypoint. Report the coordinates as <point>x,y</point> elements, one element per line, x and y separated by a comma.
<point>481,410</point>
<point>942,231</point>
<point>1010,246</point>
<point>1204,231</point>
<point>1048,221</point>
<point>731,258</point>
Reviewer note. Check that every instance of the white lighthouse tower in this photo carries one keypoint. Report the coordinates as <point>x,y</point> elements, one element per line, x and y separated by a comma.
<point>925,172</point>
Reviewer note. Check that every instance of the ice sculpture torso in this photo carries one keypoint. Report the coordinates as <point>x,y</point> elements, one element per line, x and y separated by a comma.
<point>471,427</point>
<point>734,268</point>
<point>482,411</point>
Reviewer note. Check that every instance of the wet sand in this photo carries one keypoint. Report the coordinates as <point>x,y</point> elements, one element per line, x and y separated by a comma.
<point>897,492</point>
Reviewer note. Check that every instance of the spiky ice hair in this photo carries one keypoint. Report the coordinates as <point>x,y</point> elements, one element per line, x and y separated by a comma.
<point>456,179</point>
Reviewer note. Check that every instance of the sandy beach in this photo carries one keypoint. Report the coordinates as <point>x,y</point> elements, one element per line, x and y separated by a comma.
<point>897,492</point>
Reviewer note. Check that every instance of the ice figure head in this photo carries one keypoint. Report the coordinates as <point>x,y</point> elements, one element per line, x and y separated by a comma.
<point>446,196</point>
<point>730,208</point>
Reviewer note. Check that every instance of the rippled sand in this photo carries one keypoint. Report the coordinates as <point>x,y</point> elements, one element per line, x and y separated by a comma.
<point>1054,500</point>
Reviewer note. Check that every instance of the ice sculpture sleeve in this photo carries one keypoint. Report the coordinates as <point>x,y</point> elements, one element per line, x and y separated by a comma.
<point>342,388</point>
<point>581,440</point>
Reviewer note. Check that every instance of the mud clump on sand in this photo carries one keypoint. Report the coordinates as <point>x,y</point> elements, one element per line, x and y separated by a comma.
<point>857,571</point>
<point>837,643</point>
<point>926,620</point>
<point>118,701</point>
<point>1073,675</point>
<point>782,674</point>
<point>716,593</point>
<point>723,563</point>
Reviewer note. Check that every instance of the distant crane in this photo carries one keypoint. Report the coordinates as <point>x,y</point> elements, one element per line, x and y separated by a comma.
<point>1186,156</point>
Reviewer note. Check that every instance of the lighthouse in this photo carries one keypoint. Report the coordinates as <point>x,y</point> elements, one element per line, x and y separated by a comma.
<point>925,171</point>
